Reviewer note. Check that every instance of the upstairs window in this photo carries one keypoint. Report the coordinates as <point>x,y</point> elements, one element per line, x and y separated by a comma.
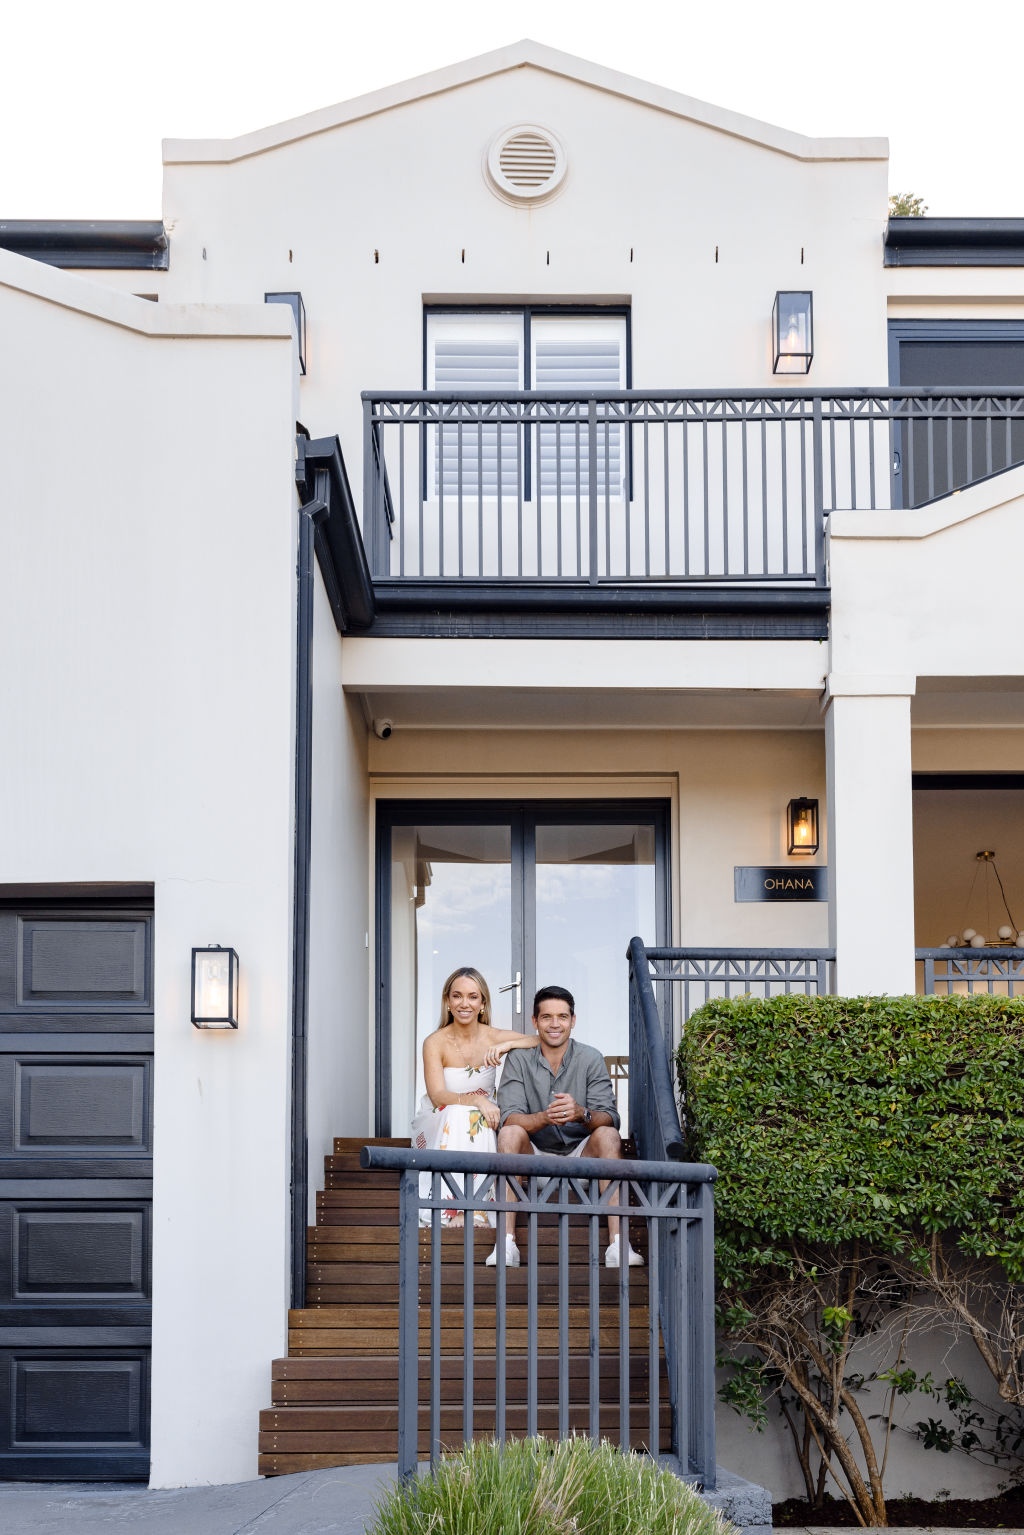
<point>567,352</point>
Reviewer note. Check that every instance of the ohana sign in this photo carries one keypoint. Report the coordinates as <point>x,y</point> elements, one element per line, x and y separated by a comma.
<point>785,884</point>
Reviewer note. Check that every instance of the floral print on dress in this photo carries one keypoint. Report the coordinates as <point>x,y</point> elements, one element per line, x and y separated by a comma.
<point>456,1127</point>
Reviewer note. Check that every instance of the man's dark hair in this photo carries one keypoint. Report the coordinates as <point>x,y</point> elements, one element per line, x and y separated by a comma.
<point>554,994</point>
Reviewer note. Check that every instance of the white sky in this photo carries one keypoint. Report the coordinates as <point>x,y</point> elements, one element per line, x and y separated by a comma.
<point>89,89</point>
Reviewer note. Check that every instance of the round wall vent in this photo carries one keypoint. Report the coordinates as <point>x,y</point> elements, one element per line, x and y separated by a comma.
<point>526,164</point>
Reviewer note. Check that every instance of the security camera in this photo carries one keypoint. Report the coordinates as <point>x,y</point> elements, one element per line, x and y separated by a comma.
<point>383,728</point>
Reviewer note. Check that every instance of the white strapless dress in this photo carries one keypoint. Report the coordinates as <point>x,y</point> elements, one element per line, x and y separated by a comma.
<point>455,1127</point>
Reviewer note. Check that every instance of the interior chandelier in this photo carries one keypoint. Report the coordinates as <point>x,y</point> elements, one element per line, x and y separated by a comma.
<point>1008,933</point>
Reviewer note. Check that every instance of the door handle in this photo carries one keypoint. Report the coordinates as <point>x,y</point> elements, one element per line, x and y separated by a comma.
<point>517,987</point>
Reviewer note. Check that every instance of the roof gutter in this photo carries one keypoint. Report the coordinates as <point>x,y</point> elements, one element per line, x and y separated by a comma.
<point>954,242</point>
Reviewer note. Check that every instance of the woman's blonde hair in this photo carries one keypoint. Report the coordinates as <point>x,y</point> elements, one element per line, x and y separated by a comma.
<point>471,975</point>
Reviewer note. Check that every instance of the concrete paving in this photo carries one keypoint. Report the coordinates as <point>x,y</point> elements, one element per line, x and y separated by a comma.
<point>335,1502</point>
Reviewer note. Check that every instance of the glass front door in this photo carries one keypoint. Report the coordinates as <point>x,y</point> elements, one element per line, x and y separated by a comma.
<point>529,895</point>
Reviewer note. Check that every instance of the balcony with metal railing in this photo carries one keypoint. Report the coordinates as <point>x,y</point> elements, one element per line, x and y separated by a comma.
<point>653,504</point>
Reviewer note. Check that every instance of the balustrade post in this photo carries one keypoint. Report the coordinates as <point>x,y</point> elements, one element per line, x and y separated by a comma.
<point>592,486</point>
<point>702,1348</point>
<point>370,483</point>
<point>818,475</point>
<point>408,1324</point>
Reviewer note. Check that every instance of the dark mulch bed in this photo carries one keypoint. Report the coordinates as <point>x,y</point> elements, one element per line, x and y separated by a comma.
<point>1006,1512</point>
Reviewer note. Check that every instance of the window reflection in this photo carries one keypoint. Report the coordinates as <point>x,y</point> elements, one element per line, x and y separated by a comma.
<point>595,890</point>
<point>451,905</point>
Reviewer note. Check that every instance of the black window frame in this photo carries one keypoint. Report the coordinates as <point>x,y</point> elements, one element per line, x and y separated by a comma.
<point>569,311</point>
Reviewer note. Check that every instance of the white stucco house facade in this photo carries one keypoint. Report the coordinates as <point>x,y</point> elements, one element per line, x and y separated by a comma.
<point>366,709</point>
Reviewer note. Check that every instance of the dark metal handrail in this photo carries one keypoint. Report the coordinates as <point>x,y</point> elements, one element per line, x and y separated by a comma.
<point>653,1117</point>
<point>701,974</point>
<point>675,1203</point>
<point>684,486</point>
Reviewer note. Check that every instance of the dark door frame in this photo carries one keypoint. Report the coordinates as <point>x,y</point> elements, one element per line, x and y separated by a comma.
<point>522,814</point>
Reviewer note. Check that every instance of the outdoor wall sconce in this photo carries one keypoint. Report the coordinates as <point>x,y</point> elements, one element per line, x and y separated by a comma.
<point>792,333</point>
<point>215,988</point>
<point>298,309</point>
<point>802,826</point>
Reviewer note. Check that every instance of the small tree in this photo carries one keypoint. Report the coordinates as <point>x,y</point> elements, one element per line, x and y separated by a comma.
<point>848,1133</point>
<point>905,205</point>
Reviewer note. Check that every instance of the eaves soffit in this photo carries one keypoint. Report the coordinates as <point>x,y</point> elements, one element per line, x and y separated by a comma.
<point>521,55</point>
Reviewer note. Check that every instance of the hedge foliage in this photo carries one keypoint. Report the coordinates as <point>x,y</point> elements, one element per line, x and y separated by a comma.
<point>878,1119</point>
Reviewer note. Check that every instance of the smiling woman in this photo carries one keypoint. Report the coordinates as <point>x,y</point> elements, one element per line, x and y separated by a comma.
<point>458,1111</point>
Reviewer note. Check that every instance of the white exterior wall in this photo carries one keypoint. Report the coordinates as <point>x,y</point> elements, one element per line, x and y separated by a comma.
<point>652,192</point>
<point>917,596</point>
<point>339,1054</point>
<point>911,1471</point>
<point>932,592</point>
<point>147,612</point>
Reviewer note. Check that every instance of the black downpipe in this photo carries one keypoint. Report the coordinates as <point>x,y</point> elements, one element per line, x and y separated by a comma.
<point>309,515</point>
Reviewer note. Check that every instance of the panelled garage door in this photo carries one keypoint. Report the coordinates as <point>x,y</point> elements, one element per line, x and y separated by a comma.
<point>76,1059</point>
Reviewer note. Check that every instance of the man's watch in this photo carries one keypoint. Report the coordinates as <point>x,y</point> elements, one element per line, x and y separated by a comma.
<point>587,1116</point>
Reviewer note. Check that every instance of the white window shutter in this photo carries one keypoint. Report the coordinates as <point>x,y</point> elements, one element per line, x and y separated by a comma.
<point>473,354</point>
<point>577,356</point>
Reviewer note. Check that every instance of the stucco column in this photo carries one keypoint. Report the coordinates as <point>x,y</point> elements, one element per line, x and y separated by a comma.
<point>870,833</point>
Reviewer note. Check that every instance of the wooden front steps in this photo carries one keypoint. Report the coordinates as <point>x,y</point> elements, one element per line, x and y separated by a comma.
<point>335,1398</point>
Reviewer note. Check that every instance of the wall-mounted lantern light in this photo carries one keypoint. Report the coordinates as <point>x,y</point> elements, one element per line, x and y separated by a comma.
<point>215,988</point>
<point>802,826</point>
<point>792,333</point>
<point>298,309</point>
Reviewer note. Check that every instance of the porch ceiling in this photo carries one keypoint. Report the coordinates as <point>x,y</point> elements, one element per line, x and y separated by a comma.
<point>596,684</point>
<point>488,708</point>
<point>968,701</point>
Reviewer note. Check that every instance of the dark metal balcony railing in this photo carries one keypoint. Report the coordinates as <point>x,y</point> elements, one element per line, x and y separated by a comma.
<point>687,978</point>
<point>579,1329</point>
<point>994,972</point>
<point>664,486</point>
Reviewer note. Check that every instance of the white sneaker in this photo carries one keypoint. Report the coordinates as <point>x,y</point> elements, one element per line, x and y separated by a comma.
<point>611,1257</point>
<point>511,1255</point>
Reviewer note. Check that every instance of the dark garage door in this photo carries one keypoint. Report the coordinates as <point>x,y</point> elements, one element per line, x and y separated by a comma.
<point>76,1058</point>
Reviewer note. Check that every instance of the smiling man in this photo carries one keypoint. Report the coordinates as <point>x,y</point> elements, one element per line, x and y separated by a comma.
<point>558,1098</point>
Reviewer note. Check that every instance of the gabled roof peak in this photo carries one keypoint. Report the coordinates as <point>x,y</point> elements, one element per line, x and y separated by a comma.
<point>524,54</point>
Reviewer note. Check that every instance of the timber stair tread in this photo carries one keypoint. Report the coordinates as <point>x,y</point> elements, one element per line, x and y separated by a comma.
<point>335,1396</point>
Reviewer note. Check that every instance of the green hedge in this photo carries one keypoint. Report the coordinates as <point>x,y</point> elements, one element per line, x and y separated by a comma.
<point>883,1119</point>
